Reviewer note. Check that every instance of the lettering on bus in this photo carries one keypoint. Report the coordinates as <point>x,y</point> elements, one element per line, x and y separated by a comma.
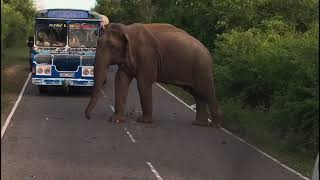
<point>60,25</point>
<point>68,14</point>
<point>83,49</point>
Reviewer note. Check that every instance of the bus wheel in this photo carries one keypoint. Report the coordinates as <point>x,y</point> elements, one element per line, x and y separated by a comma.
<point>67,90</point>
<point>30,65</point>
<point>43,89</point>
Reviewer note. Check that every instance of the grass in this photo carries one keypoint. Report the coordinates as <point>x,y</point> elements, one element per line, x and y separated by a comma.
<point>251,125</point>
<point>14,71</point>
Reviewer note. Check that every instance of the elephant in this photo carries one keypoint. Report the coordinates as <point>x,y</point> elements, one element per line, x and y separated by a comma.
<point>150,53</point>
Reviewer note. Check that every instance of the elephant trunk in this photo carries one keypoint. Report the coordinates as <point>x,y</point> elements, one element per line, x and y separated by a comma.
<point>100,78</point>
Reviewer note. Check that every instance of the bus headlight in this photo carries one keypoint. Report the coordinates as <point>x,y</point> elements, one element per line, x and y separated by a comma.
<point>87,71</point>
<point>43,70</point>
<point>47,70</point>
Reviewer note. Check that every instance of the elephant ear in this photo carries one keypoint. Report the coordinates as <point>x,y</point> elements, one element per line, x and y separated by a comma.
<point>130,54</point>
<point>142,44</point>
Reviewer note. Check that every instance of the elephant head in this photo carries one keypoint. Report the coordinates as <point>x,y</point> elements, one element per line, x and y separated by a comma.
<point>113,47</point>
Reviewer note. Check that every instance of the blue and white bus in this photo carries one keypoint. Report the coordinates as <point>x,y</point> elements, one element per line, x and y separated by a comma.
<point>63,47</point>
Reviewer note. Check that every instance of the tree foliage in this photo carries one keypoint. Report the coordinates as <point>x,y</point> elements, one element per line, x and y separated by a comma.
<point>16,21</point>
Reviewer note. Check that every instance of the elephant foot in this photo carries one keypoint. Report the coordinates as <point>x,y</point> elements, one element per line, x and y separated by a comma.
<point>217,121</point>
<point>88,116</point>
<point>117,118</point>
<point>144,119</point>
<point>215,124</point>
<point>206,123</point>
<point>201,123</point>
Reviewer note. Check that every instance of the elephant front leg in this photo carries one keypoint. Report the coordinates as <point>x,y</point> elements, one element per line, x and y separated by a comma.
<point>122,83</point>
<point>145,91</point>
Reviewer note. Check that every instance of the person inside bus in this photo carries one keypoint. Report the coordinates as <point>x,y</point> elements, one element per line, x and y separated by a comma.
<point>42,39</point>
<point>55,36</point>
<point>74,40</point>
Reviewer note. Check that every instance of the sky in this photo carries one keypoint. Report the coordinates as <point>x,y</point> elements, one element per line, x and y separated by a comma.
<point>69,4</point>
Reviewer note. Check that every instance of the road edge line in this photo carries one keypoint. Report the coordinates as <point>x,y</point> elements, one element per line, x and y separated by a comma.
<point>241,140</point>
<point>6,124</point>
<point>103,94</point>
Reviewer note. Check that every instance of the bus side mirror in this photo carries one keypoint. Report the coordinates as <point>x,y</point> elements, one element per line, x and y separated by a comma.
<point>30,41</point>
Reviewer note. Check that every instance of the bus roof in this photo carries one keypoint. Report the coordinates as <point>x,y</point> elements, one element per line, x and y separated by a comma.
<point>68,14</point>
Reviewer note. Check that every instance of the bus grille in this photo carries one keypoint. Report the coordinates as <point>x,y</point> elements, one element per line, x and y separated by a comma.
<point>66,62</point>
<point>88,60</point>
<point>43,59</point>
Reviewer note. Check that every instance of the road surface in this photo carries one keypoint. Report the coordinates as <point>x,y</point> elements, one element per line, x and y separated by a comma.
<point>49,138</point>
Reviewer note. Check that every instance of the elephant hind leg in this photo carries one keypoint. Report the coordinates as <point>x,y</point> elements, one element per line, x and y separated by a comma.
<point>201,107</point>
<point>202,114</point>
<point>205,92</point>
<point>216,114</point>
<point>215,111</point>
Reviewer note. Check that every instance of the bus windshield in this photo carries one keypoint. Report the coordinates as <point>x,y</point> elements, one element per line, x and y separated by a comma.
<point>51,34</point>
<point>83,34</point>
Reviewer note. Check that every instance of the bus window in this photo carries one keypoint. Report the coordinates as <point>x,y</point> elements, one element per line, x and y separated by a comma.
<point>83,35</point>
<point>51,34</point>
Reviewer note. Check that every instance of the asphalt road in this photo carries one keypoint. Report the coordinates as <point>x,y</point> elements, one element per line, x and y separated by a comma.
<point>49,138</point>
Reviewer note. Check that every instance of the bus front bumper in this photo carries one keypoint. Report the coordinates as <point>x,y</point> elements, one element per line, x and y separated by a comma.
<point>62,81</point>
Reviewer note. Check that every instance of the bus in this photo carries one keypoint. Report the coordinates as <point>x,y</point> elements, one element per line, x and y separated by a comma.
<point>62,50</point>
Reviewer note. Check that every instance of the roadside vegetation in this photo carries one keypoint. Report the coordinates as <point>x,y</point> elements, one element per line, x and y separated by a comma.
<point>16,24</point>
<point>266,65</point>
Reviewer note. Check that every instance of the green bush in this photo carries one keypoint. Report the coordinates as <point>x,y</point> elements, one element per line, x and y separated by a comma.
<point>275,69</point>
<point>16,22</point>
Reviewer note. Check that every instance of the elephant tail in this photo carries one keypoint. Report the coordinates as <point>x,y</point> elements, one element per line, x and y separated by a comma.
<point>215,110</point>
<point>216,114</point>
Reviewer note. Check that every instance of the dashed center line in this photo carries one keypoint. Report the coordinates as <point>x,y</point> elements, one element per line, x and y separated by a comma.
<point>103,94</point>
<point>154,171</point>
<point>129,134</point>
<point>112,108</point>
<point>125,129</point>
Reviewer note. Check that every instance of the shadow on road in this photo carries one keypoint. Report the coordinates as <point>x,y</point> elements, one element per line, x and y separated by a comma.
<point>70,92</point>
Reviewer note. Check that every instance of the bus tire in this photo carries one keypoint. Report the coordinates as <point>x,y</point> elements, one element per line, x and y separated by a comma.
<point>42,89</point>
<point>67,90</point>
<point>30,65</point>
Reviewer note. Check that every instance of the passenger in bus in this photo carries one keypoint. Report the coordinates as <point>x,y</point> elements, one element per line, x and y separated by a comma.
<point>56,37</point>
<point>43,39</point>
<point>74,40</point>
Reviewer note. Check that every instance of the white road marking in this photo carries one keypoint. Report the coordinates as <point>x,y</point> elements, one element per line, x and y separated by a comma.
<point>103,94</point>
<point>315,174</point>
<point>193,106</point>
<point>112,108</point>
<point>154,171</point>
<point>131,137</point>
<point>240,139</point>
<point>3,130</point>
